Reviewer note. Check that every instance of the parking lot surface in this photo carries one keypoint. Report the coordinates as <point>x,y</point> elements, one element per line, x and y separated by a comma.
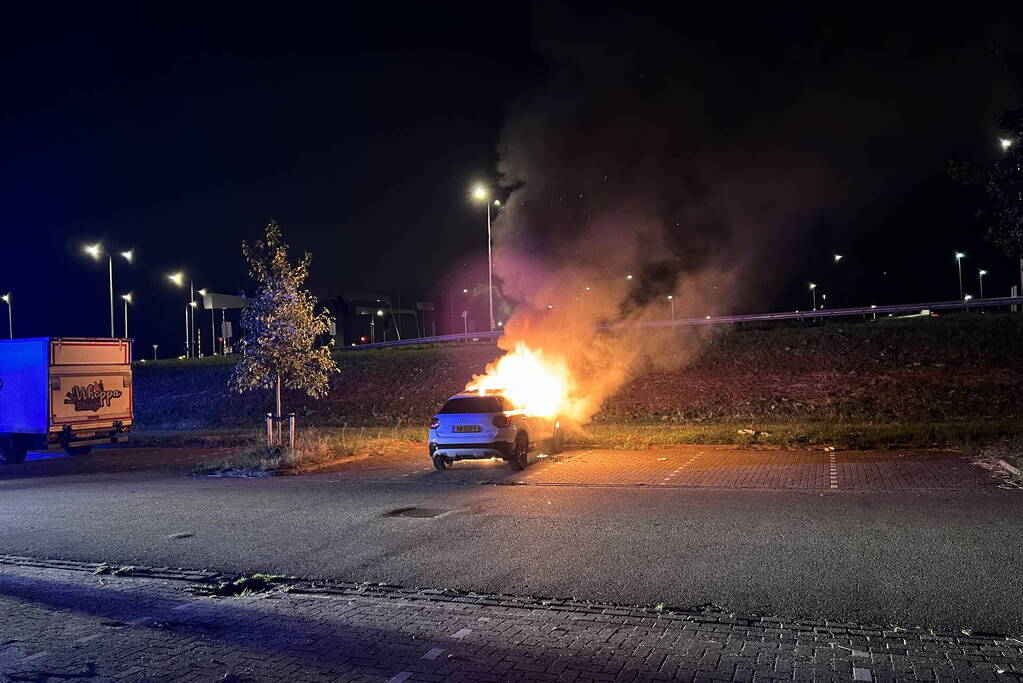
<point>698,467</point>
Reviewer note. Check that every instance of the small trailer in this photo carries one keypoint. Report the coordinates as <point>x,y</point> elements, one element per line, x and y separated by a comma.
<point>63,393</point>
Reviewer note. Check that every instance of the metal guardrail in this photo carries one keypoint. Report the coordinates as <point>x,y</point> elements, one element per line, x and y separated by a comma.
<point>893,309</point>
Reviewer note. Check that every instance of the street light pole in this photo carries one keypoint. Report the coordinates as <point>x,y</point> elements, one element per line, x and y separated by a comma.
<point>10,316</point>
<point>490,268</point>
<point>96,250</point>
<point>671,300</point>
<point>980,277</point>
<point>127,300</point>
<point>813,294</point>
<point>481,193</point>
<point>179,280</point>
<point>213,325</point>
<point>959,265</point>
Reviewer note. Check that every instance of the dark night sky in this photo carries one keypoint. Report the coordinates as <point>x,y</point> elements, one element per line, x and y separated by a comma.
<point>359,133</point>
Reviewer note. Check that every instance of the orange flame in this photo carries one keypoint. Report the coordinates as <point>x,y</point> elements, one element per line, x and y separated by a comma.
<point>535,383</point>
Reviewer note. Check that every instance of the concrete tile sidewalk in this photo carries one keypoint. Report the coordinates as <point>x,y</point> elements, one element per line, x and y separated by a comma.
<point>71,624</point>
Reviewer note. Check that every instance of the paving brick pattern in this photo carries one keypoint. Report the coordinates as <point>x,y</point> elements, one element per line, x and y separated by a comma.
<point>701,467</point>
<point>62,623</point>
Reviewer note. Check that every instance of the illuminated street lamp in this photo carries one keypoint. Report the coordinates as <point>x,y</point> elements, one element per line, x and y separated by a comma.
<point>127,300</point>
<point>481,193</point>
<point>10,316</point>
<point>813,294</point>
<point>629,276</point>
<point>179,280</point>
<point>671,300</point>
<point>213,323</point>
<point>1006,143</point>
<point>839,257</point>
<point>959,264</point>
<point>980,279</point>
<point>95,251</point>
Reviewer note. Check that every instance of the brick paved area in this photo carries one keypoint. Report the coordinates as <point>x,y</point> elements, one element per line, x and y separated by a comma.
<point>701,466</point>
<point>673,466</point>
<point>62,621</point>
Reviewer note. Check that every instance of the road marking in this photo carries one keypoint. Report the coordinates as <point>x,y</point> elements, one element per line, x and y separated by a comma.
<point>862,674</point>
<point>88,639</point>
<point>833,466</point>
<point>140,620</point>
<point>667,479</point>
<point>433,653</point>
<point>401,678</point>
<point>461,633</point>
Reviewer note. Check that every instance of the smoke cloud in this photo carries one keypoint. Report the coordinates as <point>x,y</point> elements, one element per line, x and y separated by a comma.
<point>660,158</point>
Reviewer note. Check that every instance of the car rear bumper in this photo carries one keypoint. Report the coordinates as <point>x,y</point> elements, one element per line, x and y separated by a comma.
<point>472,451</point>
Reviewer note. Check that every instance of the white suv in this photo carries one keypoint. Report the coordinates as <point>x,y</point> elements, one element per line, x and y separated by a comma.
<point>471,426</point>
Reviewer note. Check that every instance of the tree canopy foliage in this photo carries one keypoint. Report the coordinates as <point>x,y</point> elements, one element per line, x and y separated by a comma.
<point>281,324</point>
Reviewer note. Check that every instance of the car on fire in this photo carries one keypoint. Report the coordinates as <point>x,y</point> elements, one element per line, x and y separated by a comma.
<point>479,426</point>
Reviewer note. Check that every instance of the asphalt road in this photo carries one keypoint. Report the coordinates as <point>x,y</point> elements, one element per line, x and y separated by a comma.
<point>936,558</point>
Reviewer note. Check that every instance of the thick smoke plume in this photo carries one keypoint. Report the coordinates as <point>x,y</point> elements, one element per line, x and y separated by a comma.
<point>657,150</point>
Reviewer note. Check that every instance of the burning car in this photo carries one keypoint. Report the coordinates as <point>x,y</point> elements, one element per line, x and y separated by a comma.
<point>477,425</point>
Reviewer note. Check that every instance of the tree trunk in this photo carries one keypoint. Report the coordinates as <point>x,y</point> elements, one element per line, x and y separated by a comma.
<point>278,395</point>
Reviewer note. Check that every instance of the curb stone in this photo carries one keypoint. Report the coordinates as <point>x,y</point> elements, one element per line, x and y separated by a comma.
<point>707,615</point>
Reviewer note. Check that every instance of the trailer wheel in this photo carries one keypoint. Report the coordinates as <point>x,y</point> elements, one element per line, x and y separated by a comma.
<point>11,452</point>
<point>77,450</point>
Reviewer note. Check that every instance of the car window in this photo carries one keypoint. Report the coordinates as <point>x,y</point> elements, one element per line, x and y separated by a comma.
<point>473,404</point>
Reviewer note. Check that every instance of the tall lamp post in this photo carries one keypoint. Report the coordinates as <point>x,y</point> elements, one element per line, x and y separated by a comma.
<point>813,294</point>
<point>213,323</point>
<point>95,251</point>
<point>959,265</point>
<point>10,316</point>
<point>179,280</point>
<point>480,193</point>
<point>671,300</point>
<point>127,300</point>
<point>980,279</point>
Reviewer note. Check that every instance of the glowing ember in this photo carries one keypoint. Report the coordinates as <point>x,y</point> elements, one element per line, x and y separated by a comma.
<point>536,384</point>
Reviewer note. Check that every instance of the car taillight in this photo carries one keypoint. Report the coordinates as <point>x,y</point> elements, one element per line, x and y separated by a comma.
<point>502,421</point>
<point>434,423</point>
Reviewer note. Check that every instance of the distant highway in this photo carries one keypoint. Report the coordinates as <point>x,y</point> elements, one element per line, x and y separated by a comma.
<point>893,309</point>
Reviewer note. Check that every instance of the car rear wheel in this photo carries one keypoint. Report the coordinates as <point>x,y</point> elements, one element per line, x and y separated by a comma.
<point>440,463</point>
<point>77,450</point>
<point>520,455</point>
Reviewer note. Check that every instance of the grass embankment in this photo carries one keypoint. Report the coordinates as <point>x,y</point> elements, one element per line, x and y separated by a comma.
<point>955,379</point>
<point>313,448</point>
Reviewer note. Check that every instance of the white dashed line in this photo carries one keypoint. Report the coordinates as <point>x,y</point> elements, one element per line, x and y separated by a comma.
<point>433,653</point>
<point>667,479</point>
<point>401,678</point>
<point>461,633</point>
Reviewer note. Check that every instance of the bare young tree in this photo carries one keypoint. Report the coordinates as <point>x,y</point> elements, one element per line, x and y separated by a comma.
<point>281,325</point>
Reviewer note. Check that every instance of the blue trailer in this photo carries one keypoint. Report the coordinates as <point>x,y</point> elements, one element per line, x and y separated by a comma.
<point>63,393</point>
